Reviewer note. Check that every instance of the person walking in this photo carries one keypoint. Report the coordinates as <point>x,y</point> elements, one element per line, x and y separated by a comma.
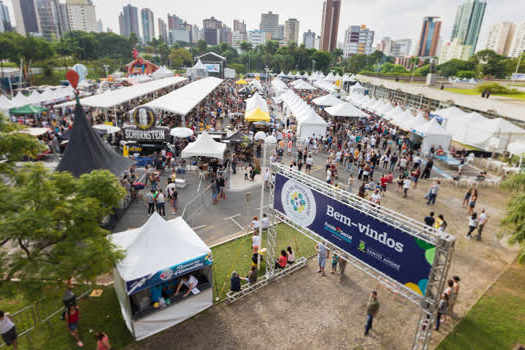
<point>371,311</point>
<point>442,310</point>
<point>161,209</point>
<point>342,267</point>
<point>150,199</point>
<point>483,219</point>
<point>432,194</point>
<point>455,290</point>
<point>102,341</point>
<point>322,255</point>
<point>406,186</point>
<point>72,319</point>
<point>429,219</point>
<point>8,330</point>
<point>472,224</point>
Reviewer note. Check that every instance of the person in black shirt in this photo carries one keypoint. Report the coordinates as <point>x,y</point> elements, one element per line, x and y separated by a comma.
<point>430,220</point>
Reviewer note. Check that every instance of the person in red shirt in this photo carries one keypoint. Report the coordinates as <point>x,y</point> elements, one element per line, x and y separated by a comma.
<point>384,181</point>
<point>72,318</point>
<point>283,260</point>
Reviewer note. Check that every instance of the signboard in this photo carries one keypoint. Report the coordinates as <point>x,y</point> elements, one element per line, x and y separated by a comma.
<point>144,118</point>
<point>213,68</point>
<point>156,134</point>
<point>168,274</point>
<point>391,251</point>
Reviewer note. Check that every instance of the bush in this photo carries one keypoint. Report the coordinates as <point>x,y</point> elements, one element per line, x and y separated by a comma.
<point>468,74</point>
<point>496,89</point>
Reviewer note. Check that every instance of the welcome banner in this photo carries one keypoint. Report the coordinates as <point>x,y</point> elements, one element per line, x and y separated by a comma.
<point>393,252</point>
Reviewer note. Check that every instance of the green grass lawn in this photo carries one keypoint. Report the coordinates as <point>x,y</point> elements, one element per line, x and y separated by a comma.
<point>520,96</point>
<point>497,321</point>
<point>104,314</point>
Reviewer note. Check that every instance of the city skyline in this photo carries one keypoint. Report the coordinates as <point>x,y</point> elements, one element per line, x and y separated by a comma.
<point>399,20</point>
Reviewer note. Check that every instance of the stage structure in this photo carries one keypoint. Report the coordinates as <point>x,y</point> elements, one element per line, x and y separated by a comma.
<point>406,256</point>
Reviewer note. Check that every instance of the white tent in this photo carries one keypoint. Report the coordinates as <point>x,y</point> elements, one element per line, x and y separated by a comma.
<point>184,99</point>
<point>303,85</point>
<point>160,252</point>
<point>433,134</point>
<point>5,104</point>
<point>345,110</point>
<point>390,115</point>
<point>326,100</point>
<point>414,123</point>
<point>162,72</point>
<point>310,124</point>
<point>387,107</point>
<point>357,88</point>
<point>401,118</point>
<point>204,146</point>
<point>117,97</point>
<point>20,100</point>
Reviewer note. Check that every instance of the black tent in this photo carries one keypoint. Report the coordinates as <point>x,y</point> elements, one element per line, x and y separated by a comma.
<point>86,151</point>
<point>237,137</point>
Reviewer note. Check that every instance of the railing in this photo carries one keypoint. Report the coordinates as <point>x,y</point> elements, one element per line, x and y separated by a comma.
<point>33,316</point>
<point>190,211</point>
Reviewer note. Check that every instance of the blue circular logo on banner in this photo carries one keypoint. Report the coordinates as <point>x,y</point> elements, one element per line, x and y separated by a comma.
<point>298,203</point>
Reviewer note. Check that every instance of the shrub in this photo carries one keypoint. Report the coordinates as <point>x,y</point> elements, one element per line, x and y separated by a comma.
<point>468,74</point>
<point>496,89</point>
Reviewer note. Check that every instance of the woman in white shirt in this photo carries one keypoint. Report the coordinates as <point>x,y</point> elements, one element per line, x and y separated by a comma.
<point>290,255</point>
<point>189,281</point>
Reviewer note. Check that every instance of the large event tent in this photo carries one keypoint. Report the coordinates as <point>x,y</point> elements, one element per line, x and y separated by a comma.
<point>401,118</point>
<point>256,109</point>
<point>183,100</point>
<point>310,125</point>
<point>204,146</point>
<point>433,134</point>
<point>303,85</point>
<point>117,97</point>
<point>345,110</point>
<point>326,100</point>
<point>160,252</point>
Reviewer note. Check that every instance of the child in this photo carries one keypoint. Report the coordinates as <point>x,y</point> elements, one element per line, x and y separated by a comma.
<point>335,259</point>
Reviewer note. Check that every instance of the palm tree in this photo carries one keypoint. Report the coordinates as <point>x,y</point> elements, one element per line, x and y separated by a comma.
<point>514,221</point>
<point>245,46</point>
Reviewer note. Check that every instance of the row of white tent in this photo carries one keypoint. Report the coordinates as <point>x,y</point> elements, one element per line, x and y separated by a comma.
<point>309,123</point>
<point>318,76</point>
<point>473,129</point>
<point>302,85</point>
<point>48,96</point>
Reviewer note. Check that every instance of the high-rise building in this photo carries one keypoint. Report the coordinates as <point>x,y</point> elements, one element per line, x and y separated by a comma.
<point>386,45</point>
<point>5,20</point>
<point>256,37</point>
<point>175,22</point>
<point>518,43</point>
<point>163,30</point>
<point>467,24</point>
<point>63,18</point>
<point>196,34</point>
<point>358,41</point>
<point>454,50</point>
<point>330,24</point>
<point>81,15</point>
<point>178,35</point>
<point>401,48</point>
<point>309,39</point>
<point>500,37</point>
<point>48,16</point>
<point>148,25</point>
<point>237,39</point>
<point>429,38</point>
<point>129,21</point>
<point>100,26</point>
<point>280,33</point>
<point>291,30</point>
<point>270,23</point>
<point>215,31</point>
<point>239,26</point>
<point>25,16</point>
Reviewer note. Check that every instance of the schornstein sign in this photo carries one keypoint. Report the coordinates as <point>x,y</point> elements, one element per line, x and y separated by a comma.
<point>393,252</point>
<point>155,134</point>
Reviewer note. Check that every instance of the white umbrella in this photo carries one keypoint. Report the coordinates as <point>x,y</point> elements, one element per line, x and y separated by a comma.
<point>181,132</point>
<point>109,129</point>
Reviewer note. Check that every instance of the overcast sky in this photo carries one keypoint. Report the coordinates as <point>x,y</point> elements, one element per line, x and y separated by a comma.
<point>397,19</point>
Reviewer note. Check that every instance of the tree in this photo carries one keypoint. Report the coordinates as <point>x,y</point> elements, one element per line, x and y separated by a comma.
<point>181,57</point>
<point>7,49</point>
<point>202,46</point>
<point>490,63</point>
<point>336,55</point>
<point>31,49</point>
<point>513,223</point>
<point>133,39</point>
<point>271,47</point>
<point>322,60</point>
<point>466,74</point>
<point>452,67</point>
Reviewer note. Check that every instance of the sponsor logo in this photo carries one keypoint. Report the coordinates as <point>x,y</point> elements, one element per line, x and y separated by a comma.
<point>298,203</point>
<point>144,118</point>
<point>362,246</point>
<point>166,275</point>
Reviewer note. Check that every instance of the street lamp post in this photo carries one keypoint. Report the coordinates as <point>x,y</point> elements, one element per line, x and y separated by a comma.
<point>519,62</point>
<point>313,66</point>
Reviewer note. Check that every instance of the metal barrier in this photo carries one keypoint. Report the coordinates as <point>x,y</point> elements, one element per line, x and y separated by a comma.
<point>264,280</point>
<point>33,316</point>
<point>190,211</point>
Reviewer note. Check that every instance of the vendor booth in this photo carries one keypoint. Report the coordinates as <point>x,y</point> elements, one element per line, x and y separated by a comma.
<point>204,146</point>
<point>433,135</point>
<point>160,256</point>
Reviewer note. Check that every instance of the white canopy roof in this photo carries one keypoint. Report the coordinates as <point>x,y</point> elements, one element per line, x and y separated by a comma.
<point>448,113</point>
<point>183,100</point>
<point>256,101</point>
<point>117,97</point>
<point>204,146</point>
<point>414,123</point>
<point>432,127</point>
<point>402,118</point>
<point>162,72</point>
<point>516,148</point>
<point>311,118</point>
<point>390,115</point>
<point>21,100</point>
<point>157,245</point>
<point>303,85</point>
<point>326,100</point>
<point>345,110</point>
